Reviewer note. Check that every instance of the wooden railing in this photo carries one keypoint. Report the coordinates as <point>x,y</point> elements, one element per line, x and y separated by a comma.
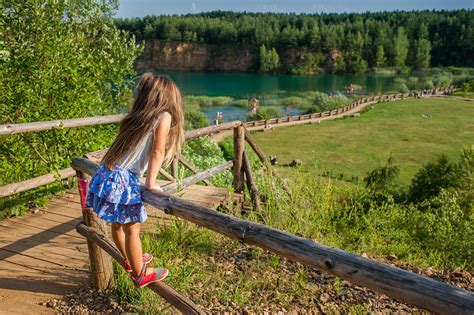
<point>406,286</point>
<point>100,263</point>
<point>9,129</point>
<point>403,285</point>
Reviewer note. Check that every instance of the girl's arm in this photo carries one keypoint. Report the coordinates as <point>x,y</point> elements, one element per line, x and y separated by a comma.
<point>158,152</point>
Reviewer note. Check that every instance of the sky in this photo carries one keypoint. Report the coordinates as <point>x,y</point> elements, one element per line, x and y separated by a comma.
<point>140,8</point>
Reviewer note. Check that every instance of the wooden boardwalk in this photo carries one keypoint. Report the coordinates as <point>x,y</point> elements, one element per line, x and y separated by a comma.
<point>43,257</point>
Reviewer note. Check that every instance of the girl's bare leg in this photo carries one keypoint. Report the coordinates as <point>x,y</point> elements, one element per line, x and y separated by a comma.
<point>118,236</point>
<point>133,246</point>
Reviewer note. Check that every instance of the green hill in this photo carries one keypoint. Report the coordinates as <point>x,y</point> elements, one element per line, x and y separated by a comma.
<point>413,132</point>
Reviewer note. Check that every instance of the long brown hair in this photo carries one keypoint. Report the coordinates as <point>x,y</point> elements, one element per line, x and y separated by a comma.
<point>155,95</point>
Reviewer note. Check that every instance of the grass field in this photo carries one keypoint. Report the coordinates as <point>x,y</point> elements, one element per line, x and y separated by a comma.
<point>413,132</point>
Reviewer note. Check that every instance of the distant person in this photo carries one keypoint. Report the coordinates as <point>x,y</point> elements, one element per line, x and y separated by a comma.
<point>149,137</point>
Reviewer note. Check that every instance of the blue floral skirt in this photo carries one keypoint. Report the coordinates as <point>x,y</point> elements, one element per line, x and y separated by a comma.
<point>115,195</point>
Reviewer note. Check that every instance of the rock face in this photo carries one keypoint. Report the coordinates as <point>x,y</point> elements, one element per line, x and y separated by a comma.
<point>181,56</point>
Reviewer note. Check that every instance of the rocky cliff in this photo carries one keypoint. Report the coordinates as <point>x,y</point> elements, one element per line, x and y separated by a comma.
<point>181,56</point>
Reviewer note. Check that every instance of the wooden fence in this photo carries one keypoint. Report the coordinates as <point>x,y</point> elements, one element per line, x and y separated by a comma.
<point>406,286</point>
<point>403,285</point>
<point>10,129</point>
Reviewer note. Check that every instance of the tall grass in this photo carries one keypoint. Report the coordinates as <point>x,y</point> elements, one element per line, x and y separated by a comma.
<point>218,273</point>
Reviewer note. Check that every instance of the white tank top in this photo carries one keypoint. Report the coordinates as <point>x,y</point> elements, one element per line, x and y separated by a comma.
<point>136,160</point>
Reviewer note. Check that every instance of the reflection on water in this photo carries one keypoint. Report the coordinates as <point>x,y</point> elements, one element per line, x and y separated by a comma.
<point>246,85</point>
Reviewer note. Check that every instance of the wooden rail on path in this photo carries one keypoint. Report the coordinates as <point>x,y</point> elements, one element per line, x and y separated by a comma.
<point>36,182</point>
<point>406,286</point>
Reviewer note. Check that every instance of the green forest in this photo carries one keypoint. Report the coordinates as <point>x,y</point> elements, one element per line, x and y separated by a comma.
<point>347,42</point>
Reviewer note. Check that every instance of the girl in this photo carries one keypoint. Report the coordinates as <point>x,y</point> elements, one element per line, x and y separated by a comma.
<point>149,137</point>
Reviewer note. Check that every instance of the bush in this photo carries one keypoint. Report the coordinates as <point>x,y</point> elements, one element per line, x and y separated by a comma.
<point>402,88</point>
<point>241,103</point>
<point>433,177</point>
<point>265,113</point>
<point>444,79</point>
<point>468,86</point>
<point>64,59</point>
<point>207,101</point>
<point>428,84</point>
<point>195,120</point>
<point>204,154</point>
<point>399,80</point>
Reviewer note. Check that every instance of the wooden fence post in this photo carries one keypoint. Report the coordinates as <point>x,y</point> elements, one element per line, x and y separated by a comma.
<point>239,145</point>
<point>174,168</point>
<point>100,263</point>
<point>251,185</point>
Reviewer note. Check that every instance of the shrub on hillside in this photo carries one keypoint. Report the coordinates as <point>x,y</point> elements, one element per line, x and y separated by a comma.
<point>443,174</point>
<point>428,84</point>
<point>265,113</point>
<point>195,119</point>
<point>402,88</point>
<point>203,153</point>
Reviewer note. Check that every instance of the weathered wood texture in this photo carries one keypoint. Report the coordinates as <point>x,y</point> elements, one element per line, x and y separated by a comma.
<point>256,148</point>
<point>239,146</point>
<point>10,129</point>
<point>403,285</point>
<point>179,301</point>
<point>211,129</point>
<point>172,187</point>
<point>15,188</point>
<point>101,271</point>
<point>193,169</point>
<point>174,168</point>
<point>251,185</point>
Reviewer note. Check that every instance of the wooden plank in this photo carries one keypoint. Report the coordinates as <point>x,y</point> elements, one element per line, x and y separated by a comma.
<point>42,224</point>
<point>72,249</point>
<point>46,252</point>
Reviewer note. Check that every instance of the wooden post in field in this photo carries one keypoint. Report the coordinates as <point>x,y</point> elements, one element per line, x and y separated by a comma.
<point>100,263</point>
<point>239,145</point>
<point>251,185</point>
<point>174,168</point>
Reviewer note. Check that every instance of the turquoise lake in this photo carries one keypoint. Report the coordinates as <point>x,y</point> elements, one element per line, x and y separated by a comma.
<point>246,85</point>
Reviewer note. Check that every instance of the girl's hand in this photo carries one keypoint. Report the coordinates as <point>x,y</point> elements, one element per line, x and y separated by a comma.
<point>153,187</point>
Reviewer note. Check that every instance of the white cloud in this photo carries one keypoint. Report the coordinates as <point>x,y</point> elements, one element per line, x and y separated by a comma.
<point>193,7</point>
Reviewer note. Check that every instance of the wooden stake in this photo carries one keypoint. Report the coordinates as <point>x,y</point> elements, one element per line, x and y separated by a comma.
<point>251,185</point>
<point>256,148</point>
<point>239,146</point>
<point>100,264</point>
<point>193,169</point>
<point>172,187</point>
<point>174,168</point>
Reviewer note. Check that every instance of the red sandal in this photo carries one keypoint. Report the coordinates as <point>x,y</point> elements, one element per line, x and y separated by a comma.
<point>146,259</point>
<point>143,279</point>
